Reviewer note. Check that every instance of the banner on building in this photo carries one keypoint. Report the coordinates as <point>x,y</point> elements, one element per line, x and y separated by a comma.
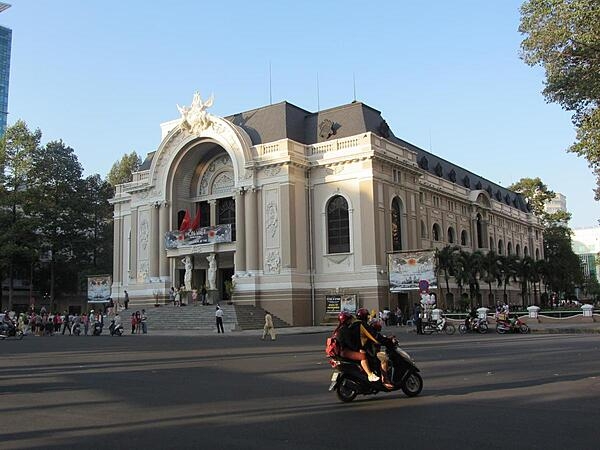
<point>99,288</point>
<point>206,235</point>
<point>412,270</point>
<point>334,304</point>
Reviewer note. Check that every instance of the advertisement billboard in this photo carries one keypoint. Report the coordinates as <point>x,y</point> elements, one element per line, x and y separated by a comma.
<point>412,270</point>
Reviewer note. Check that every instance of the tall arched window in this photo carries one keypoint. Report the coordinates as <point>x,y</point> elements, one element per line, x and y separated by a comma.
<point>464,238</point>
<point>435,232</point>
<point>537,254</point>
<point>500,247</point>
<point>423,230</point>
<point>451,235</point>
<point>226,213</point>
<point>518,250</point>
<point>509,248</point>
<point>338,225</point>
<point>396,225</point>
<point>479,232</point>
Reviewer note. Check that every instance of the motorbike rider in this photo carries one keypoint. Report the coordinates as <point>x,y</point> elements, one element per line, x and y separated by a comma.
<point>352,336</point>
<point>382,356</point>
<point>471,318</point>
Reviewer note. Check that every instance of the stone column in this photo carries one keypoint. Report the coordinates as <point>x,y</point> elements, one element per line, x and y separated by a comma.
<point>213,212</point>
<point>133,245</point>
<point>153,241</point>
<point>240,232</point>
<point>163,228</point>
<point>118,251</point>
<point>252,237</point>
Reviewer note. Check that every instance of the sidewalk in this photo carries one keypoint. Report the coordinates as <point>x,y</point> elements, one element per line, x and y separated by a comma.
<point>537,328</point>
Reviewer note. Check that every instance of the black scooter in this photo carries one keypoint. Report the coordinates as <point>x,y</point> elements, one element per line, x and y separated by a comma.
<point>97,329</point>
<point>349,379</point>
<point>8,329</point>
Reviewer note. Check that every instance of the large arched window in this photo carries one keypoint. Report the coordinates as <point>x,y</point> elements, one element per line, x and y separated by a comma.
<point>451,235</point>
<point>509,248</point>
<point>338,225</point>
<point>479,231</point>
<point>500,247</point>
<point>396,225</point>
<point>423,230</point>
<point>518,250</point>
<point>464,238</point>
<point>435,232</point>
<point>226,213</point>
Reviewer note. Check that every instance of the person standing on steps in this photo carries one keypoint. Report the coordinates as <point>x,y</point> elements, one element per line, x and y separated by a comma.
<point>126,301</point>
<point>268,328</point>
<point>219,319</point>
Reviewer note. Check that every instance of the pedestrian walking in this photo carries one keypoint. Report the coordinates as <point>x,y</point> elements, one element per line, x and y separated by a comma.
<point>219,319</point>
<point>418,319</point>
<point>133,322</point>
<point>203,294</point>
<point>86,323</point>
<point>268,328</point>
<point>144,319</point>
<point>66,323</point>
<point>126,301</point>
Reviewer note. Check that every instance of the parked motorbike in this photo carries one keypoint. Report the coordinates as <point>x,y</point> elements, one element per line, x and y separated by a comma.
<point>474,325</point>
<point>511,326</point>
<point>115,330</point>
<point>97,329</point>
<point>76,329</point>
<point>349,379</point>
<point>443,326</point>
<point>8,330</point>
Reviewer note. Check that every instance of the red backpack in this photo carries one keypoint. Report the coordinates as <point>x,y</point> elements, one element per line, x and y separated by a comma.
<point>332,345</point>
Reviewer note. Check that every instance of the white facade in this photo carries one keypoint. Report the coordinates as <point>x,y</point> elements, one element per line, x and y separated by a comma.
<point>290,248</point>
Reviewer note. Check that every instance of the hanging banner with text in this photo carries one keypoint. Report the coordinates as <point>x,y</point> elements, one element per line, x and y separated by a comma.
<point>410,270</point>
<point>205,235</point>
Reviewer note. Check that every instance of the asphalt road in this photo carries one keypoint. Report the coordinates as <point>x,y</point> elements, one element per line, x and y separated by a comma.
<point>238,392</point>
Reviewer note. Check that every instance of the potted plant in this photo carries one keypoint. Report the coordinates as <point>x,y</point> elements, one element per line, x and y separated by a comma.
<point>229,290</point>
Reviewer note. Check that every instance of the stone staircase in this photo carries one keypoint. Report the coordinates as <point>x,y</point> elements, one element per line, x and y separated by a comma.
<point>202,318</point>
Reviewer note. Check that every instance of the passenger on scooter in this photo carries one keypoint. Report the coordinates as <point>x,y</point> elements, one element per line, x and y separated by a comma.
<point>471,318</point>
<point>350,336</point>
<point>381,354</point>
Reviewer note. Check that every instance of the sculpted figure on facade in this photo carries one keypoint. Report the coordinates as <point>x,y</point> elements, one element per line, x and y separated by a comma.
<point>194,118</point>
<point>187,277</point>
<point>212,272</point>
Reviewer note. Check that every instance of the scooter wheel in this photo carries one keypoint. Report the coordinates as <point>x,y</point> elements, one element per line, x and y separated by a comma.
<point>450,329</point>
<point>524,329</point>
<point>483,328</point>
<point>500,330</point>
<point>20,335</point>
<point>462,329</point>
<point>345,393</point>
<point>412,385</point>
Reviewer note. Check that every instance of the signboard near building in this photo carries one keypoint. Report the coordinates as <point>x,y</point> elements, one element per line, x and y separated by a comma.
<point>205,235</point>
<point>334,304</point>
<point>99,288</point>
<point>411,270</point>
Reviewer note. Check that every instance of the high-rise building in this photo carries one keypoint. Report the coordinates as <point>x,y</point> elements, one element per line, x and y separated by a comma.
<point>558,203</point>
<point>5,46</point>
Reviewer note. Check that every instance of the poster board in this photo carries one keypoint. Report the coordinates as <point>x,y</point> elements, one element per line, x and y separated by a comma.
<point>409,269</point>
<point>99,288</point>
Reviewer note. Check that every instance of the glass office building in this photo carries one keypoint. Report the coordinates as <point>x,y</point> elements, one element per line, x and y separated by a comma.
<point>5,44</point>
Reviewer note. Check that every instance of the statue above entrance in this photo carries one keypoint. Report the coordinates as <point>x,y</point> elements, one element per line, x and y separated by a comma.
<point>194,118</point>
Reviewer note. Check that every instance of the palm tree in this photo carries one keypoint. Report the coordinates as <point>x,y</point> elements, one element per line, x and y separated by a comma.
<point>468,267</point>
<point>445,262</point>
<point>524,273</point>
<point>490,272</point>
<point>508,270</point>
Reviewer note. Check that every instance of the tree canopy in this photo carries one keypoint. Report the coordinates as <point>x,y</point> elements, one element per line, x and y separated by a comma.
<point>537,194</point>
<point>122,170</point>
<point>563,36</point>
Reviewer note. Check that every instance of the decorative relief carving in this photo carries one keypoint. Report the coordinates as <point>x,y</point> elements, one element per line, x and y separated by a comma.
<point>271,170</point>
<point>273,261</point>
<point>223,183</point>
<point>221,164</point>
<point>272,218</point>
<point>144,233</point>
<point>143,271</point>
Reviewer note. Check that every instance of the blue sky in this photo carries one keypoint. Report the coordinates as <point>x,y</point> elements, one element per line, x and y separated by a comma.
<point>446,76</point>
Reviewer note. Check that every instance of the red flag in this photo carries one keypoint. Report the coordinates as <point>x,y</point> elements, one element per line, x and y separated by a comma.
<point>185,223</point>
<point>196,222</point>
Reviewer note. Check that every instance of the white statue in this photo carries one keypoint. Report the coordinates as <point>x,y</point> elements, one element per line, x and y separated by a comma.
<point>187,278</point>
<point>212,272</point>
<point>194,118</point>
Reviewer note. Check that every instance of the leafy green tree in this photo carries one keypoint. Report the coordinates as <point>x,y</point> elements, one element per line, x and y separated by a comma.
<point>467,268</point>
<point>18,147</point>
<point>563,36</point>
<point>563,267</point>
<point>122,171</point>
<point>537,194</point>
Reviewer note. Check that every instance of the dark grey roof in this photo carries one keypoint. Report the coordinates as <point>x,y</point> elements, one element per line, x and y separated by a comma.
<point>148,161</point>
<point>287,121</point>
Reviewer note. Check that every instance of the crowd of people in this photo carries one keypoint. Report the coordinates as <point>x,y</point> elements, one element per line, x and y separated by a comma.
<point>45,323</point>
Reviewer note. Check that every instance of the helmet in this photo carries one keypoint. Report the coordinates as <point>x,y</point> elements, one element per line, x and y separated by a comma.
<point>376,324</point>
<point>362,314</point>
<point>344,317</point>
